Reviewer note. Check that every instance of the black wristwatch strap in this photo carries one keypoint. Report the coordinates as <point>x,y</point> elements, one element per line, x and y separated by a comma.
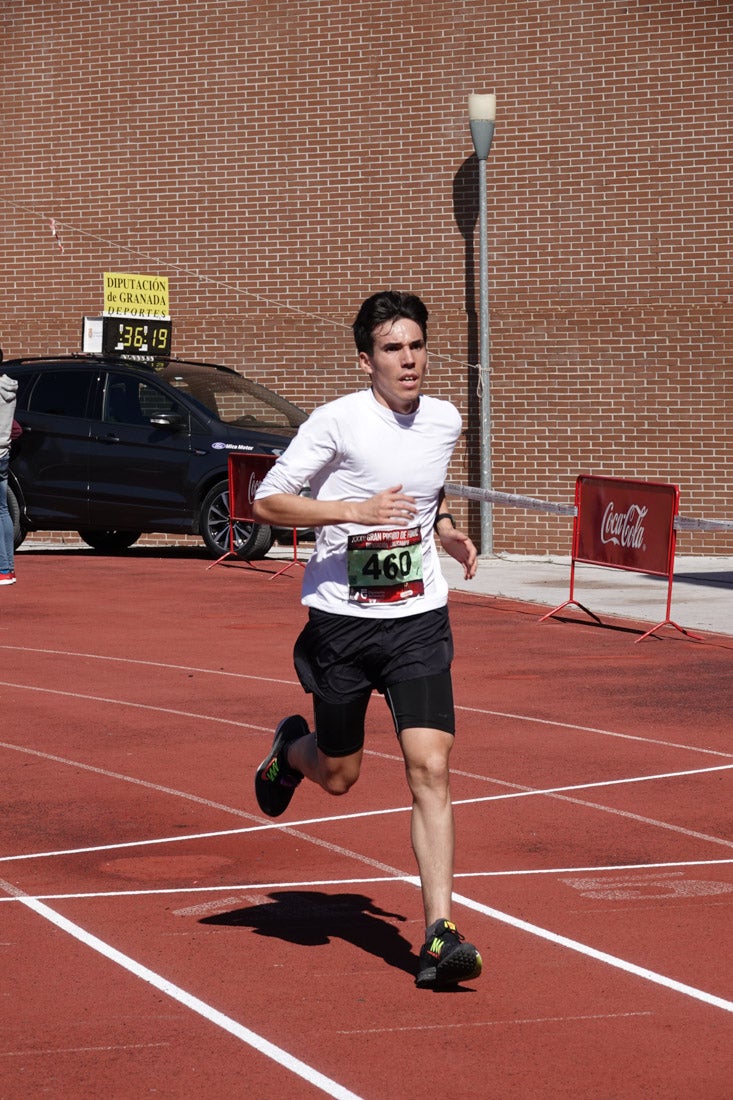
<point>444,515</point>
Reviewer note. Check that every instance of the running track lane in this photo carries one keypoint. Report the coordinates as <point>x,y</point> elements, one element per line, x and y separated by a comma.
<point>301,931</point>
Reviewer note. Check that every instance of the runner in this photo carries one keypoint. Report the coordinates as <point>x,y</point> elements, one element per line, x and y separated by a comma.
<point>376,462</point>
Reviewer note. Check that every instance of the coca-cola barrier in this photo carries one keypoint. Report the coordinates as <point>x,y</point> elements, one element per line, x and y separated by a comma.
<point>246,472</point>
<point>624,524</point>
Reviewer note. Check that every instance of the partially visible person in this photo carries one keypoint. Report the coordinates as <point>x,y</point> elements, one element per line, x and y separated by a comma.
<point>8,392</point>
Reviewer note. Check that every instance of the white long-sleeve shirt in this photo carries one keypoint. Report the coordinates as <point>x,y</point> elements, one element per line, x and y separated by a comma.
<point>351,449</point>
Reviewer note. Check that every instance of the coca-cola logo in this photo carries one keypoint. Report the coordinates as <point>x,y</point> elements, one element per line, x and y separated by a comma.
<point>253,486</point>
<point>624,528</point>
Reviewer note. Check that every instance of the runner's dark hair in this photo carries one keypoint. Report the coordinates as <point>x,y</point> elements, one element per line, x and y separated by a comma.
<point>387,305</point>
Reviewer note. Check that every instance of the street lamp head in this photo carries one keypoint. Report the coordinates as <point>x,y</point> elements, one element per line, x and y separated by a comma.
<point>481,115</point>
<point>482,107</point>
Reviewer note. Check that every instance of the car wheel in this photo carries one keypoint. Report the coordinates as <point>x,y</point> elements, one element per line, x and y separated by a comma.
<point>108,540</point>
<point>14,509</point>
<point>251,540</point>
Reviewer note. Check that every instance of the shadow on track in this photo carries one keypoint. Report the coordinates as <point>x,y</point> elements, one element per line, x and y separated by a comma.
<point>313,919</point>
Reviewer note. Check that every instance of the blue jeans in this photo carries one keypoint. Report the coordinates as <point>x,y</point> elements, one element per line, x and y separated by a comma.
<point>7,551</point>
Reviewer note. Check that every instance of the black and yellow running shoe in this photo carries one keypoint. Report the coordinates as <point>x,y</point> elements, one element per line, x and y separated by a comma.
<point>275,780</point>
<point>446,958</point>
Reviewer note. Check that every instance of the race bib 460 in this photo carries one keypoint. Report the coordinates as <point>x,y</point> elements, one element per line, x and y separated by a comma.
<point>385,566</point>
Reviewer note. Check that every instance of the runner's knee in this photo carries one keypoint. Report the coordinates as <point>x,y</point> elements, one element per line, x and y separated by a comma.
<point>426,754</point>
<point>338,774</point>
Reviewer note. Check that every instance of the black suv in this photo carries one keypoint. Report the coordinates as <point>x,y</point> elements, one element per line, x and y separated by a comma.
<point>115,447</point>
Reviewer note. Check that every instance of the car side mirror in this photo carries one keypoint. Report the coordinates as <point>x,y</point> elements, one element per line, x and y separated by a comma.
<point>167,420</point>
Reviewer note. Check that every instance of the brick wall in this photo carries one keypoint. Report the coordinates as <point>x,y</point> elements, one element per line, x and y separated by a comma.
<point>279,161</point>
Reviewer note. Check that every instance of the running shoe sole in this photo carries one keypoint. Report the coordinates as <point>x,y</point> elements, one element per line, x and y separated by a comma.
<point>461,965</point>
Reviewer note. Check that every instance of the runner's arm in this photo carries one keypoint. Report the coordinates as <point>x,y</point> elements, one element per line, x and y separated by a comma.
<point>455,542</point>
<point>289,510</point>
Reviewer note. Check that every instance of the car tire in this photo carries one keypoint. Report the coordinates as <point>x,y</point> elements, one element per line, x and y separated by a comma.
<point>251,540</point>
<point>14,509</point>
<point>108,540</point>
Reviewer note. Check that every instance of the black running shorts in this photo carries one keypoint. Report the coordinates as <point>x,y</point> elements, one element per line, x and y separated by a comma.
<point>341,659</point>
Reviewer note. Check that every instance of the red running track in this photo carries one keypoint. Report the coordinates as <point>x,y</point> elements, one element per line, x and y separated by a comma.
<point>158,936</point>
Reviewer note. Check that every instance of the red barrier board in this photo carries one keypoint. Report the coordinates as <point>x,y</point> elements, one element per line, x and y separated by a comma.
<point>625,524</point>
<point>246,473</point>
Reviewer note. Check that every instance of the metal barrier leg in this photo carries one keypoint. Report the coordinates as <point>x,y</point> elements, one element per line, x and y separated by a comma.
<point>295,560</point>
<point>668,621</point>
<point>571,601</point>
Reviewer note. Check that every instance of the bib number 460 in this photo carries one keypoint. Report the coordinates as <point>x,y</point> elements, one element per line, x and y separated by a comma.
<point>385,566</point>
<point>391,566</point>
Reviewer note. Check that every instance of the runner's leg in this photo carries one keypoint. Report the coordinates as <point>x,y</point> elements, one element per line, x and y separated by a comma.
<point>426,753</point>
<point>335,774</point>
<point>332,756</point>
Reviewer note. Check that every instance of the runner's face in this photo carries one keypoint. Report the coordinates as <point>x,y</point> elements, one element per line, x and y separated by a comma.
<point>397,364</point>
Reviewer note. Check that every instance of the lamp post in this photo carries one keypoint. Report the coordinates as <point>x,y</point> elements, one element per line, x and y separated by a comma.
<point>481,115</point>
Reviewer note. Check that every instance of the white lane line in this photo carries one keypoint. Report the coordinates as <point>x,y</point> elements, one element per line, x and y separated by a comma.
<point>146,783</point>
<point>594,953</point>
<point>53,1052</point>
<point>612,868</point>
<point>443,1025</point>
<point>295,884</point>
<point>137,706</point>
<point>599,783</point>
<point>188,1000</point>
<point>290,826</point>
<point>533,929</point>
<point>628,815</point>
<point>298,1067</point>
<point>294,683</point>
<point>150,664</point>
<point>244,888</point>
<point>335,818</point>
<point>593,729</point>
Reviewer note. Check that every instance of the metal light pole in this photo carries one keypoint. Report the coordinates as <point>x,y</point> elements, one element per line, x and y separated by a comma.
<point>481,115</point>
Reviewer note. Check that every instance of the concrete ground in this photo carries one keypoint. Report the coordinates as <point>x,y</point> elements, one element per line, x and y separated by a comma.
<point>702,589</point>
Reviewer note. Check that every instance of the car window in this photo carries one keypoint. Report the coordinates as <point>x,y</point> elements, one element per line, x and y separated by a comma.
<point>130,400</point>
<point>62,392</point>
<point>231,397</point>
<point>25,382</point>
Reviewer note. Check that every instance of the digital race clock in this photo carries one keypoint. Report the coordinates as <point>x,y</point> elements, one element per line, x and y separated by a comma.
<point>136,336</point>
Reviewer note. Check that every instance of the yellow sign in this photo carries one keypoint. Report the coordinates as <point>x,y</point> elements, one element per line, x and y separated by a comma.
<point>135,295</point>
